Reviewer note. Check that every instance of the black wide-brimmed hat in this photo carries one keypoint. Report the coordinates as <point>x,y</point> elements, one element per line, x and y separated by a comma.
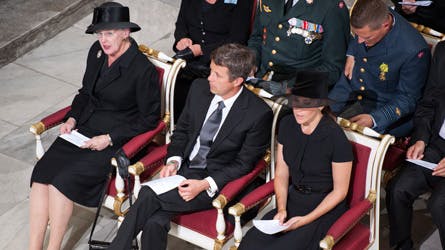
<point>111,15</point>
<point>310,90</point>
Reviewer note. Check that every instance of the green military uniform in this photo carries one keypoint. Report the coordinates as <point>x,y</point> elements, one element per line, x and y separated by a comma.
<point>313,34</point>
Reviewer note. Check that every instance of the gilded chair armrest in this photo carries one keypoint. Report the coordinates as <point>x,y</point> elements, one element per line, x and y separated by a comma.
<point>150,163</point>
<point>49,121</point>
<point>346,222</point>
<point>233,188</point>
<point>133,146</point>
<point>255,197</point>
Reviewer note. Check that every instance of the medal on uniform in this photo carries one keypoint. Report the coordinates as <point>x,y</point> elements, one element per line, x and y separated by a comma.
<point>99,54</point>
<point>266,8</point>
<point>383,70</point>
<point>292,23</point>
<point>308,40</point>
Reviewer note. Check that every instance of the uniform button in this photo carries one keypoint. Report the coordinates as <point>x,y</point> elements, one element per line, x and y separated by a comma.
<point>277,39</point>
<point>202,23</point>
<point>203,41</point>
<point>360,80</point>
<point>270,64</point>
<point>362,70</point>
<point>359,97</point>
<point>362,88</point>
<point>274,52</point>
<point>280,26</point>
<point>203,33</point>
<point>365,59</point>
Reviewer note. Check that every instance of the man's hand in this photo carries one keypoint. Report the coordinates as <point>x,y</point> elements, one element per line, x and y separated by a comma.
<point>169,169</point>
<point>416,150</point>
<point>440,169</point>
<point>281,216</point>
<point>196,49</point>
<point>97,143</point>
<point>67,126</point>
<point>349,66</point>
<point>189,189</point>
<point>295,222</point>
<point>364,120</point>
<point>184,43</point>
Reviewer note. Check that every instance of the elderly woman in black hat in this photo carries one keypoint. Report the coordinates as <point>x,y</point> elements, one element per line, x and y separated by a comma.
<point>119,99</point>
<point>314,161</point>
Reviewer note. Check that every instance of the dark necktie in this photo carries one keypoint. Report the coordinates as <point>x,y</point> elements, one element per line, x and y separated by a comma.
<point>206,135</point>
<point>287,6</point>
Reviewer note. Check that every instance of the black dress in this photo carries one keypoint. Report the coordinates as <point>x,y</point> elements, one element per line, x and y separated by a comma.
<point>122,100</point>
<point>309,158</point>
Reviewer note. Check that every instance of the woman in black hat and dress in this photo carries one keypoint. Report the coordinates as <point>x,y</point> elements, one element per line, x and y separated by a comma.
<point>313,168</point>
<point>119,99</point>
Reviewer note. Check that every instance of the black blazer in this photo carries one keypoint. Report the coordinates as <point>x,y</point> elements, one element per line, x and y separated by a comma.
<point>241,141</point>
<point>221,23</point>
<point>125,103</point>
<point>430,112</point>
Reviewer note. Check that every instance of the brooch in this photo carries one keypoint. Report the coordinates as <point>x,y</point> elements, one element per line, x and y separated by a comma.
<point>266,8</point>
<point>383,70</point>
<point>99,54</point>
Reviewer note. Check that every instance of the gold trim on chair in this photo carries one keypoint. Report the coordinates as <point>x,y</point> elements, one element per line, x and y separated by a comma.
<point>136,169</point>
<point>220,201</point>
<point>117,205</point>
<point>37,128</point>
<point>237,210</point>
<point>372,196</point>
<point>327,242</point>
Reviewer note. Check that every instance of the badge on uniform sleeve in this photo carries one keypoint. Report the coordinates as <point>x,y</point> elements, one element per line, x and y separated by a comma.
<point>99,54</point>
<point>266,8</point>
<point>398,112</point>
<point>383,70</point>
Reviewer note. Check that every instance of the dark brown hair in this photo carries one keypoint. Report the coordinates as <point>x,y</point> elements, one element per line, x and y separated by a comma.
<point>238,58</point>
<point>372,13</point>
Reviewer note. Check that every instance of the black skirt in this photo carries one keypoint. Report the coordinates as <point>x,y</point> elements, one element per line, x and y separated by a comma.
<point>80,174</point>
<point>306,237</point>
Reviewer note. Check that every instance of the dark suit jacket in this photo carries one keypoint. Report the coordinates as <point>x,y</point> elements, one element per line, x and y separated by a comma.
<point>124,103</point>
<point>430,112</point>
<point>241,141</point>
<point>221,23</point>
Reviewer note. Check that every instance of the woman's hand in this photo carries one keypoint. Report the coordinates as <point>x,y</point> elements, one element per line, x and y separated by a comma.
<point>67,126</point>
<point>196,49</point>
<point>281,216</point>
<point>97,143</point>
<point>184,43</point>
<point>295,222</point>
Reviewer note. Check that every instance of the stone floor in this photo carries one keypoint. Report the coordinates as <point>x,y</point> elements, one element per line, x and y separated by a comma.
<point>46,79</point>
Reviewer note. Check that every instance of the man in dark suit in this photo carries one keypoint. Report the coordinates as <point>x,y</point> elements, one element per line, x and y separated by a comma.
<point>428,143</point>
<point>208,161</point>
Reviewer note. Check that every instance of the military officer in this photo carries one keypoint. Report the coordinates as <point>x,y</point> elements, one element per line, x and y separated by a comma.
<point>390,70</point>
<point>311,34</point>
